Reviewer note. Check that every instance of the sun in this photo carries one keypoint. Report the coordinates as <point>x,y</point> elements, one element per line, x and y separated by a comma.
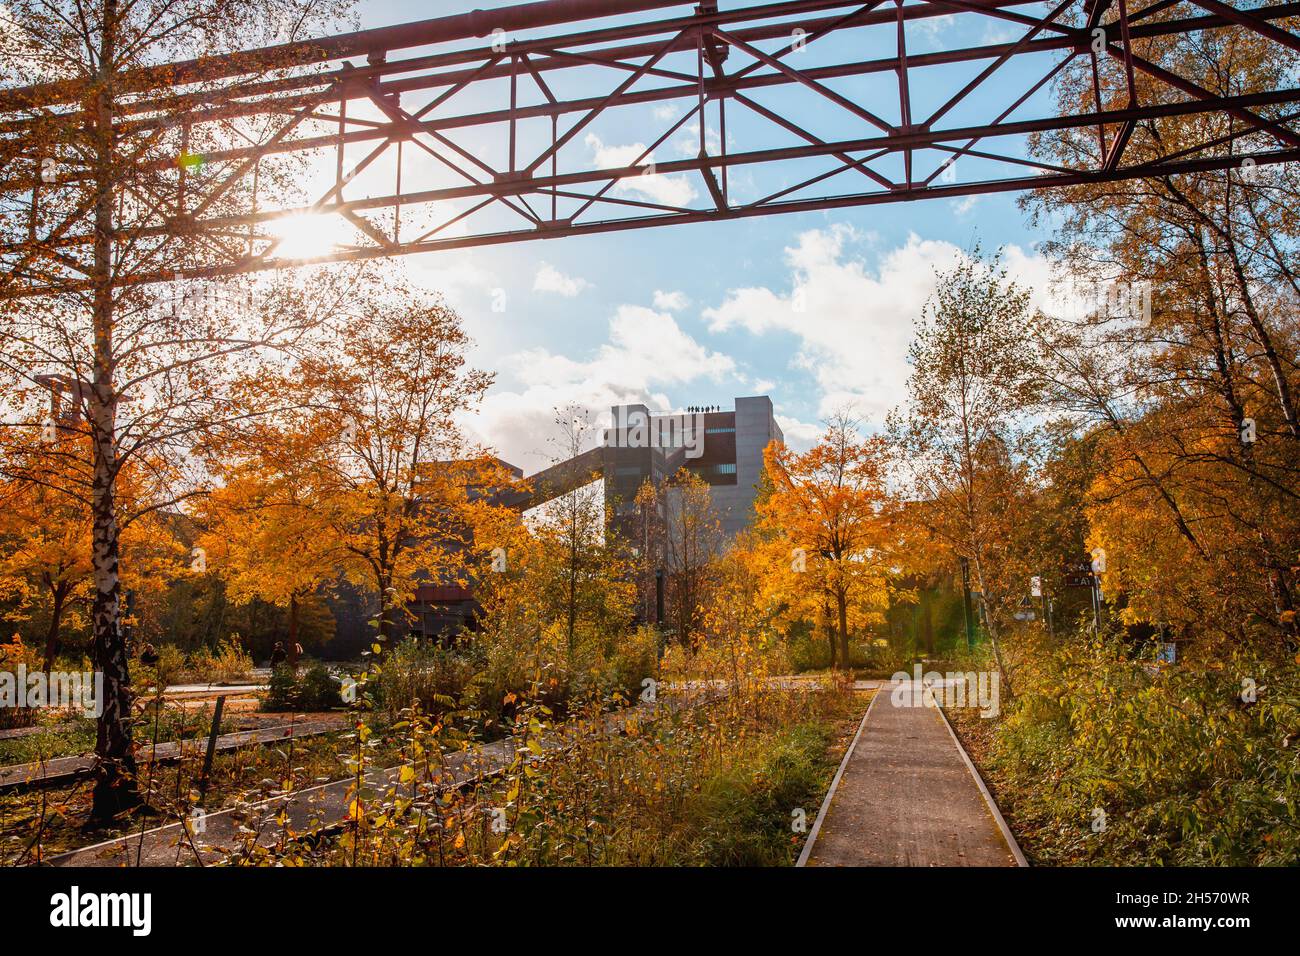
<point>306,236</point>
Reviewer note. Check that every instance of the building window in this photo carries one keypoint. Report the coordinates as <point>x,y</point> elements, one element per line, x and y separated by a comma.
<point>721,430</point>
<point>704,471</point>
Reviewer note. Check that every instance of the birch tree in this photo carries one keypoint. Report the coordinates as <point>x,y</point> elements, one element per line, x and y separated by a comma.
<point>92,146</point>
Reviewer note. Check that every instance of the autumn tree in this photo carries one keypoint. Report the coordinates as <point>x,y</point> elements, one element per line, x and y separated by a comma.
<point>91,152</point>
<point>45,523</point>
<point>268,540</point>
<point>693,543</point>
<point>647,545</point>
<point>752,605</point>
<point>962,436</point>
<point>585,568</point>
<point>1180,352</point>
<point>44,558</point>
<point>360,469</point>
<point>514,631</point>
<point>829,508</point>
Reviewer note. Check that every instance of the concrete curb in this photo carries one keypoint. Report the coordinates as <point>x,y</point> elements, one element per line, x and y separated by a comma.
<point>806,852</point>
<point>1007,835</point>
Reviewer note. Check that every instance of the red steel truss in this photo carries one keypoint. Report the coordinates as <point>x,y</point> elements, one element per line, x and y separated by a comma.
<point>510,124</point>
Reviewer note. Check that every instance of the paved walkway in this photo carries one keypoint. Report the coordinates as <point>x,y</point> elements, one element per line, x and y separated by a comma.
<point>907,795</point>
<point>210,690</point>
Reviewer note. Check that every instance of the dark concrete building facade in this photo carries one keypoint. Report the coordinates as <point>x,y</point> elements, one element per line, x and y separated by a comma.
<point>723,448</point>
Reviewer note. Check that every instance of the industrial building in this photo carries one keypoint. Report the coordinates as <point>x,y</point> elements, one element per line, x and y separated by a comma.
<point>723,448</point>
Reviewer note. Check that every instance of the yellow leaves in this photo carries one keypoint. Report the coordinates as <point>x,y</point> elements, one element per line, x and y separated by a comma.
<point>406,774</point>
<point>511,841</point>
<point>823,528</point>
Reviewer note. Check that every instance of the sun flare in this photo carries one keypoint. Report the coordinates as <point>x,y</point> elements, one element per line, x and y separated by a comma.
<point>306,236</point>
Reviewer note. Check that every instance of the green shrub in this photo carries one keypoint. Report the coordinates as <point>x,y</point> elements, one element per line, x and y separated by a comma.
<point>229,664</point>
<point>282,689</point>
<point>811,652</point>
<point>318,688</point>
<point>1183,771</point>
<point>310,687</point>
<point>744,813</point>
<point>171,666</point>
<point>421,670</point>
<point>632,660</point>
<point>71,734</point>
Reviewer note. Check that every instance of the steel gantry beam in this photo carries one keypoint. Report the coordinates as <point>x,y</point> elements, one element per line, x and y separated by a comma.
<point>571,117</point>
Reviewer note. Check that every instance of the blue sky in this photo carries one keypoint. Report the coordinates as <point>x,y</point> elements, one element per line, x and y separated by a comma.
<point>815,309</point>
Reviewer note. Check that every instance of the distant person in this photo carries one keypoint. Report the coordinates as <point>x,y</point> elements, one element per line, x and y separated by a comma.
<point>148,655</point>
<point>278,655</point>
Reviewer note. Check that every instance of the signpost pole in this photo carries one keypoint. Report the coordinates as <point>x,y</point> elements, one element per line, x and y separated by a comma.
<point>1096,606</point>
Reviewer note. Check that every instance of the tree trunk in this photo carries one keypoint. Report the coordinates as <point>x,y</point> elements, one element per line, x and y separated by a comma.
<point>991,626</point>
<point>387,611</point>
<point>292,649</point>
<point>571,610</point>
<point>115,782</point>
<point>57,593</point>
<point>927,626</point>
<point>1264,339</point>
<point>830,631</point>
<point>842,605</point>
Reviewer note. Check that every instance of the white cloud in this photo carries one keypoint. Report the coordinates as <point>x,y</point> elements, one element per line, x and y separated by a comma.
<point>647,351</point>
<point>664,189</point>
<point>932,27</point>
<point>962,207</point>
<point>671,301</point>
<point>551,279</point>
<point>853,324</point>
<point>688,144</point>
<point>1001,33</point>
<point>799,435</point>
<point>457,273</point>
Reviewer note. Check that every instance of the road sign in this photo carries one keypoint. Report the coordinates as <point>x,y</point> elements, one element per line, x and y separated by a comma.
<point>1036,587</point>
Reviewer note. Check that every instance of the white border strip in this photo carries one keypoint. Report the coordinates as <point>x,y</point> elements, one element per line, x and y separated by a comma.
<point>835,782</point>
<point>988,797</point>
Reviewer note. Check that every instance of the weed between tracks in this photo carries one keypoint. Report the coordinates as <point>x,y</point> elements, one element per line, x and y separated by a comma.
<point>733,782</point>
